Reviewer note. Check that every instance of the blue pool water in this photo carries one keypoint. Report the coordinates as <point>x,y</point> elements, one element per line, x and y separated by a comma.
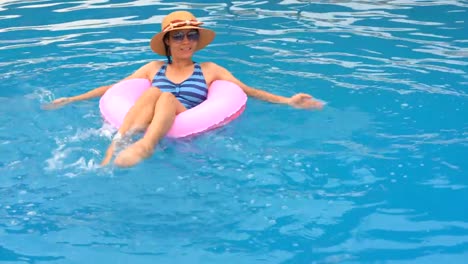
<point>378,176</point>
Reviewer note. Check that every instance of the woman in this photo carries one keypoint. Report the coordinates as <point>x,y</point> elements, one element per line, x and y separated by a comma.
<point>178,84</point>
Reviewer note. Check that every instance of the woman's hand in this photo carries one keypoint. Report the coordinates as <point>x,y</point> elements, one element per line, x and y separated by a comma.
<point>304,101</point>
<point>57,103</point>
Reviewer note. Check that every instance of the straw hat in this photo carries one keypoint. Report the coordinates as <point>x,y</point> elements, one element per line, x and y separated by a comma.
<point>176,21</point>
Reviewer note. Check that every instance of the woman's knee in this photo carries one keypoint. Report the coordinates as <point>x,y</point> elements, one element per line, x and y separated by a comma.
<point>152,92</point>
<point>167,97</point>
<point>149,96</point>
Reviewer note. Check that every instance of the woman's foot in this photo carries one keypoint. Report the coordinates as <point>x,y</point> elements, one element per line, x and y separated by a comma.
<point>134,154</point>
<point>108,155</point>
<point>117,142</point>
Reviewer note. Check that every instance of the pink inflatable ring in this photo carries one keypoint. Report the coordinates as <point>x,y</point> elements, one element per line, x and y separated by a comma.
<point>225,102</point>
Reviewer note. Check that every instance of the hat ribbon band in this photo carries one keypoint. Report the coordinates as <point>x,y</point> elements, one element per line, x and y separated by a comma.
<point>181,23</point>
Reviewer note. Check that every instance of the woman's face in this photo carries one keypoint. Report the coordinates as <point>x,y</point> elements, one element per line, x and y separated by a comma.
<point>183,43</point>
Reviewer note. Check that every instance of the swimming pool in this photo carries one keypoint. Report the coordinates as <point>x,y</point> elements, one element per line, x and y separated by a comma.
<point>379,175</point>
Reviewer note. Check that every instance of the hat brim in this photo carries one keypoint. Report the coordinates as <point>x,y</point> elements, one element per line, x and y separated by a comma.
<point>206,37</point>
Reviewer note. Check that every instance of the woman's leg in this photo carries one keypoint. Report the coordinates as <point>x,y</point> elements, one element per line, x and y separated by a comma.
<point>138,118</point>
<point>165,111</point>
<point>141,114</point>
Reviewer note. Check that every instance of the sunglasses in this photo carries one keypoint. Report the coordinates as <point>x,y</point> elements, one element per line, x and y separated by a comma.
<point>191,36</point>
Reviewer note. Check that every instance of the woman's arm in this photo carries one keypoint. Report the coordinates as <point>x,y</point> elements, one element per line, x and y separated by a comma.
<point>300,100</point>
<point>142,72</point>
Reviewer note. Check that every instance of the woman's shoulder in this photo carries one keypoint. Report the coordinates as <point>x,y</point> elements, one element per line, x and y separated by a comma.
<point>151,68</point>
<point>213,71</point>
<point>155,64</point>
<point>209,66</point>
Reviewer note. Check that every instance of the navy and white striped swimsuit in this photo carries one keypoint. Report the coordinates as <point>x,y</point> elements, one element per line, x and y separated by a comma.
<point>191,92</point>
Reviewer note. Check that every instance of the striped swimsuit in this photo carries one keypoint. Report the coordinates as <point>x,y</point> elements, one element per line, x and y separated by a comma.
<point>191,92</point>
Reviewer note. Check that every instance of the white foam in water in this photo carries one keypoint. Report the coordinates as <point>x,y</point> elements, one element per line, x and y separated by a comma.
<point>106,131</point>
<point>62,157</point>
<point>43,95</point>
<point>322,101</point>
<point>58,161</point>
